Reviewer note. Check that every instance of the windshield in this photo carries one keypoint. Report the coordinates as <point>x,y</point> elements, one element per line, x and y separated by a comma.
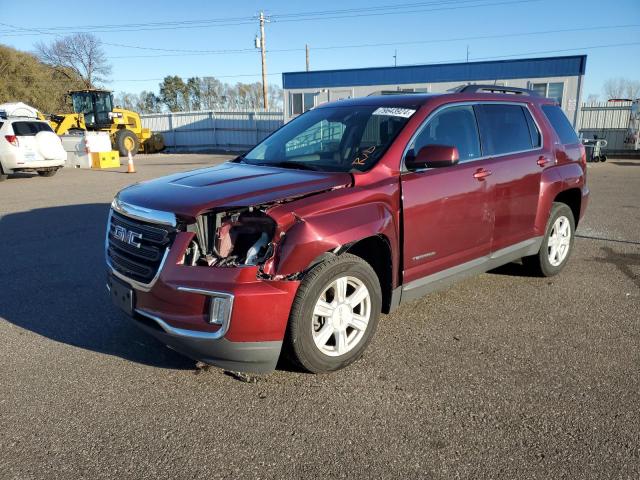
<point>332,139</point>
<point>82,102</point>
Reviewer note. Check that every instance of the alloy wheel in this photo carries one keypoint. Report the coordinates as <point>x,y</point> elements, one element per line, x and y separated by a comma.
<point>559,241</point>
<point>341,316</point>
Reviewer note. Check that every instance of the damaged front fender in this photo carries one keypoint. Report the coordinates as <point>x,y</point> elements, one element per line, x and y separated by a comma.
<point>311,236</point>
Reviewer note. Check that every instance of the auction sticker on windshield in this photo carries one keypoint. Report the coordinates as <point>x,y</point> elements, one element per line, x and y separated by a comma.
<point>394,112</point>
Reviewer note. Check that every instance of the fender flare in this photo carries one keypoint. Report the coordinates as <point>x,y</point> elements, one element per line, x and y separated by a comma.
<point>552,182</point>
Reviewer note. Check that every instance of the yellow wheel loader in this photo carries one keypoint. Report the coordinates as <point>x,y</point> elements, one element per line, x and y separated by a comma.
<point>94,111</point>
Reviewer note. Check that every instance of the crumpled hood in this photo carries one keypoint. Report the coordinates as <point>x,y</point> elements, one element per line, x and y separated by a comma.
<point>228,185</point>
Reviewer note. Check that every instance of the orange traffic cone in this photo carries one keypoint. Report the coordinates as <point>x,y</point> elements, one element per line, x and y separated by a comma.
<point>130,167</point>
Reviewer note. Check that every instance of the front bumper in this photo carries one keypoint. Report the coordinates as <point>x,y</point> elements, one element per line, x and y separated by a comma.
<point>255,357</point>
<point>175,310</point>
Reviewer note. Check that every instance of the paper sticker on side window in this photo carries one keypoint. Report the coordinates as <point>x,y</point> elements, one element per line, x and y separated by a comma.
<point>394,112</point>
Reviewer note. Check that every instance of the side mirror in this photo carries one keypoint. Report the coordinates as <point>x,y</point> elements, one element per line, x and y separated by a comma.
<point>433,156</point>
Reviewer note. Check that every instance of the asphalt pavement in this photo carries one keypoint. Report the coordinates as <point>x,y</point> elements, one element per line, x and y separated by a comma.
<point>500,376</point>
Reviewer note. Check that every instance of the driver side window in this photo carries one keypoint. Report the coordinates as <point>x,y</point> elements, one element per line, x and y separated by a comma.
<point>454,126</point>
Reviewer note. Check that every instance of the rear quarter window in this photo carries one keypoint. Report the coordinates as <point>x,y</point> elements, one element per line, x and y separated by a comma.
<point>29,129</point>
<point>560,124</point>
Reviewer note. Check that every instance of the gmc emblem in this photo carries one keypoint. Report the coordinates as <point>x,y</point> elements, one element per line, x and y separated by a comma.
<point>127,236</point>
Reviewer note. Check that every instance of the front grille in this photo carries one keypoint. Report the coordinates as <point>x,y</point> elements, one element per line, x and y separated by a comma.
<point>135,248</point>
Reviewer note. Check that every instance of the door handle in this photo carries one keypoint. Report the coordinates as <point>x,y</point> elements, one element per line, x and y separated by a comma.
<point>481,173</point>
<point>542,161</point>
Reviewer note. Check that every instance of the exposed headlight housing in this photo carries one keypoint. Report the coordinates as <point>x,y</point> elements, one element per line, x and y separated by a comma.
<point>231,238</point>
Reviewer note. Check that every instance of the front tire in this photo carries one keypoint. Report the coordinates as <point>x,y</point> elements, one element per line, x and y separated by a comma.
<point>557,243</point>
<point>334,315</point>
<point>126,141</point>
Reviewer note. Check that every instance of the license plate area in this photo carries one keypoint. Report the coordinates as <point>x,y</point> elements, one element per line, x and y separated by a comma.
<point>122,295</point>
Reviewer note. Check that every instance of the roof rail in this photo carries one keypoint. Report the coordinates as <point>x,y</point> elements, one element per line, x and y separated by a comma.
<point>496,89</point>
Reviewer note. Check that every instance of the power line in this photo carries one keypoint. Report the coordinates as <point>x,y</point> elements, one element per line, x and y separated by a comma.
<point>248,19</point>
<point>563,50</point>
<point>373,14</point>
<point>478,37</point>
<point>282,18</point>
<point>497,57</point>
<point>238,75</point>
<point>368,45</point>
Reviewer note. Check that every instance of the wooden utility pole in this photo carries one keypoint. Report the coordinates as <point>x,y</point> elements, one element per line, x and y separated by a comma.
<point>265,98</point>
<point>306,48</point>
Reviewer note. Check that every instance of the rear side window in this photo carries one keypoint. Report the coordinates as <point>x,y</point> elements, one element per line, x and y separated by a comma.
<point>504,129</point>
<point>29,129</point>
<point>560,124</point>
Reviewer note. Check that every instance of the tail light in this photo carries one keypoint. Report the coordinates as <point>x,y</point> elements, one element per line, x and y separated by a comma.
<point>13,140</point>
<point>583,156</point>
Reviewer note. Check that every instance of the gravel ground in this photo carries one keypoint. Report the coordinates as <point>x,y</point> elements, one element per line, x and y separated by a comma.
<point>500,376</point>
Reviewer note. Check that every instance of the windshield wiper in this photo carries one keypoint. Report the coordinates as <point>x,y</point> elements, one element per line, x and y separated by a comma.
<point>294,165</point>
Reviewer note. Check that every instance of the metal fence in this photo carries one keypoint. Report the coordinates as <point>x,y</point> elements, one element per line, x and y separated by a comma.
<point>213,129</point>
<point>242,129</point>
<point>607,120</point>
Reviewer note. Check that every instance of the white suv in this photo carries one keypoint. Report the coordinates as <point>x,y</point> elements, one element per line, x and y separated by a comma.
<point>29,145</point>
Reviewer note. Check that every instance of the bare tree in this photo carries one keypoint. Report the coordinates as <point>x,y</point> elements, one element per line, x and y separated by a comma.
<point>592,98</point>
<point>208,93</point>
<point>614,88</point>
<point>632,89</point>
<point>81,53</point>
<point>126,100</point>
<point>213,94</point>
<point>275,97</point>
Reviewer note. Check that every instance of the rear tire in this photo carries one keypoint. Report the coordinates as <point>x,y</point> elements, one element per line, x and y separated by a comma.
<point>557,243</point>
<point>334,314</point>
<point>126,141</point>
<point>47,173</point>
<point>3,176</point>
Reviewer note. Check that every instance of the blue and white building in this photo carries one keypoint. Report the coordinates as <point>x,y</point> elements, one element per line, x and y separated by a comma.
<point>557,77</point>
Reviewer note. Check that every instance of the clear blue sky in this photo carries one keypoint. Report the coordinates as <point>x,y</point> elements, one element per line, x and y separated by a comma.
<point>425,21</point>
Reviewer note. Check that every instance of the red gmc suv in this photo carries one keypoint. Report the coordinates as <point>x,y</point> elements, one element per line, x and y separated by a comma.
<point>346,212</point>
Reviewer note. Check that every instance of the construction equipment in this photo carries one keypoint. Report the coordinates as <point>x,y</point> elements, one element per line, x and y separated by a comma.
<point>94,111</point>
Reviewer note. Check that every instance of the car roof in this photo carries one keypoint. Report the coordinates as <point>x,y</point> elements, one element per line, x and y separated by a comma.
<point>416,100</point>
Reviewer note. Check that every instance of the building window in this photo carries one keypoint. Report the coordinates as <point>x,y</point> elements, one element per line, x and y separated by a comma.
<point>301,102</point>
<point>550,90</point>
